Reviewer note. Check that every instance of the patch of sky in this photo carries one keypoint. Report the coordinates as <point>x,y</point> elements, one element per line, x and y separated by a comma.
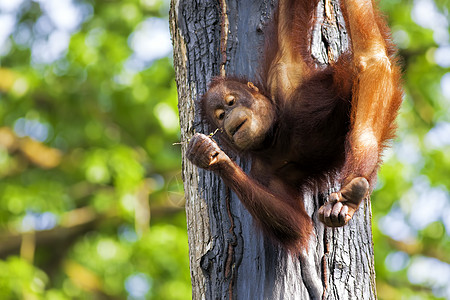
<point>38,221</point>
<point>138,286</point>
<point>432,272</point>
<point>426,14</point>
<point>445,85</point>
<point>439,136</point>
<point>396,261</point>
<point>428,204</point>
<point>8,22</point>
<point>442,56</point>
<point>23,35</point>
<point>150,41</point>
<point>416,209</point>
<point>407,150</point>
<point>127,233</point>
<point>31,128</point>
<point>60,19</point>
<point>401,38</point>
<point>395,225</point>
<point>10,5</point>
<point>48,50</point>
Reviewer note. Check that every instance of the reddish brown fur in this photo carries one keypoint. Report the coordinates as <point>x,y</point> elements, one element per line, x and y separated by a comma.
<point>331,123</point>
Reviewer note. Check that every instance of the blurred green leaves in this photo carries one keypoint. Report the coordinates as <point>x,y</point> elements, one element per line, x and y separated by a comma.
<point>411,205</point>
<point>88,116</point>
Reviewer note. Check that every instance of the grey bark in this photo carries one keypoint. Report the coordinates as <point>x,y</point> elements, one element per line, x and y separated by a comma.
<point>229,257</point>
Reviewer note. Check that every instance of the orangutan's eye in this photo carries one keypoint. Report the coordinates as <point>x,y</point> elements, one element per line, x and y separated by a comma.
<point>230,100</point>
<point>220,114</point>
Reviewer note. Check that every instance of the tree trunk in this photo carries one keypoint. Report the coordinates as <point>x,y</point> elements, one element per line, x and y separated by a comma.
<point>229,257</point>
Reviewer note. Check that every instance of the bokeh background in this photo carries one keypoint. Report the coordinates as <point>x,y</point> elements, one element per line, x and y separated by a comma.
<point>91,199</point>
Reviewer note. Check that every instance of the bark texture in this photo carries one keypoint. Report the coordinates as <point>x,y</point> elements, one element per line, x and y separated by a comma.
<point>229,257</point>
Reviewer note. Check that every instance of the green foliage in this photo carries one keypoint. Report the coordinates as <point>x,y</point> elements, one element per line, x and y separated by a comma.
<point>88,173</point>
<point>412,202</point>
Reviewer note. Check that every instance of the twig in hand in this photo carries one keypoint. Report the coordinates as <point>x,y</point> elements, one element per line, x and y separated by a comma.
<point>210,135</point>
